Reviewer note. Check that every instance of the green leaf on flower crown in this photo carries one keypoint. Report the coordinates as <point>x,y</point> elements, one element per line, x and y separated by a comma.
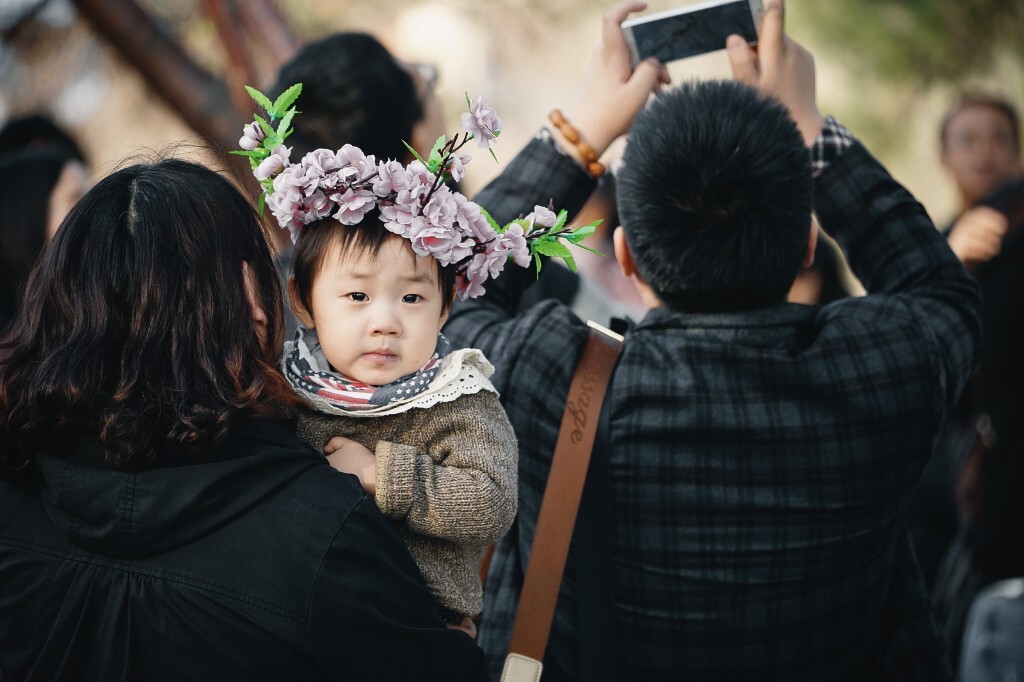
<point>570,261</point>
<point>587,248</point>
<point>434,158</point>
<point>492,222</point>
<point>414,152</point>
<point>267,129</point>
<point>469,104</point>
<point>581,233</point>
<point>284,128</point>
<point>259,98</point>
<point>552,247</point>
<point>555,248</point>
<point>285,100</point>
<point>560,220</point>
<point>257,153</point>
<point>439,144</point>
<point>261,204</point>
<point>536,260</point>
<point>493,155</point>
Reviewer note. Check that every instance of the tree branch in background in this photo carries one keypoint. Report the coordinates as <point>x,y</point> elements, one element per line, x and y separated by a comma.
<point>268,35</point>
<point>198,97</point>
<point>239,72</point>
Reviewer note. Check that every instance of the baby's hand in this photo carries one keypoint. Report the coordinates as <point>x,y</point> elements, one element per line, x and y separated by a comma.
<point>350,457</point>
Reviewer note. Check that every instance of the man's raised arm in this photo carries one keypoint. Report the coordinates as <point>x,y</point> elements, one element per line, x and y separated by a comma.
<point>887,236</point>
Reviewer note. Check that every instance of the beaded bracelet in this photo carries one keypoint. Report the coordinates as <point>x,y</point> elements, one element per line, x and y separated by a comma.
<point>593,166</point>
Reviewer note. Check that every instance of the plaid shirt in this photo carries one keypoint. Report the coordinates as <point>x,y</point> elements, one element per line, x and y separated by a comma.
<point>759,460</point>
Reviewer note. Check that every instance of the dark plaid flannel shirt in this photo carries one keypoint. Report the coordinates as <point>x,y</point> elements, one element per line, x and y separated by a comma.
<point>759,460</point>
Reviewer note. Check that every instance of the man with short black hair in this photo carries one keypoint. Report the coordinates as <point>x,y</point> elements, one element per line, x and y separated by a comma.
<point>760,453</point>
<point>715,208</point>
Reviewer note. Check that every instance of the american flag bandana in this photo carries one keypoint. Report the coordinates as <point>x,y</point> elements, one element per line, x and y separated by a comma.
<point>308,372</point>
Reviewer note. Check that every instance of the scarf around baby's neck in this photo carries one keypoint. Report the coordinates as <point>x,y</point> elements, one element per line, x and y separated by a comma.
<point>310,374</point>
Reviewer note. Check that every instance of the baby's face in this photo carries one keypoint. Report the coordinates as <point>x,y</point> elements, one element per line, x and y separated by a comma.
<point>377,319</point>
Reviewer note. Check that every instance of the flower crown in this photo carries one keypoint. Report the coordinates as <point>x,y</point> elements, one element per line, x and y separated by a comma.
<point>413,200</point>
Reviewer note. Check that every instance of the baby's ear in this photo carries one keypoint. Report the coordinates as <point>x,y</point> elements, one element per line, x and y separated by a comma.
<point>304,316</point>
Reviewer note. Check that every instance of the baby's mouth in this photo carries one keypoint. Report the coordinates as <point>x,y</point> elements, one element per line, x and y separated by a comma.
<point>380,356</point>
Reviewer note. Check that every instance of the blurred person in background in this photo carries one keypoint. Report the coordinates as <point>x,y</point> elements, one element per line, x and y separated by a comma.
<point>38,186</point>
<point>354,91</point>
<point>38,130</point>
<point>980,148</point>
<point>602,291</point>
<point>979,142</point>
<point>979,461</point>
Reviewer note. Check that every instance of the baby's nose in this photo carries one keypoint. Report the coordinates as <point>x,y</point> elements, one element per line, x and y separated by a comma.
<point>385,322</point>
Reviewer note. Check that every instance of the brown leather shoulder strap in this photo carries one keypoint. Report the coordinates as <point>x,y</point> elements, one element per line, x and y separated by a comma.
<point>562,494</point>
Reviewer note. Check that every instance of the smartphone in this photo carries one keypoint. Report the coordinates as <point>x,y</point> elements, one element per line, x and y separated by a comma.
<point>693,30</point>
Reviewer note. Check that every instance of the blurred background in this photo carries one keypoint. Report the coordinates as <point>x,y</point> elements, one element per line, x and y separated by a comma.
<point>127,76</point>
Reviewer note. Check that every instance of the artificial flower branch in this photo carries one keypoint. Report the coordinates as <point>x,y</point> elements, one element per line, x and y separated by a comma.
<point>413,200</point>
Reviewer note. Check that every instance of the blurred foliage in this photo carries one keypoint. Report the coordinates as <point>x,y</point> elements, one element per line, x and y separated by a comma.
<point>923,40</point>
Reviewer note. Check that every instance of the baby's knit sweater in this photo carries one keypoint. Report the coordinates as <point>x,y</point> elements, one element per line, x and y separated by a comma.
<point>447,477</point>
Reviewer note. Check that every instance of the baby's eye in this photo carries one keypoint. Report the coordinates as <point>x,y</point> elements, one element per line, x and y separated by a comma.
<point>357,296</point>
<point>412,298</point>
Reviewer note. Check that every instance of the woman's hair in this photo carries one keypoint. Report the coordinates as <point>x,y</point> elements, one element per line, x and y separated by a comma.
<point>135,327</point>
<point>27,179</point>
<point>353,92</point>
<point>367,237</point>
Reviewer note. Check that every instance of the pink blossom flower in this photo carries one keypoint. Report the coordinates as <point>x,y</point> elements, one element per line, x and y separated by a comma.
<point>401,229</point>
<point>316,206</point>
<point>322,170</point>
<point>482,122</point>
<point>472,220</point>
<point>442,208</point>
<point>420,175</point>
<point>252,136</point>
<point>443,243</point>
<point>404,208</point>
<point>457,166</point>
<point>469,287</point>
<point>290,184</point>
<point>392,177</point>
<point>487,265</point>
<point>353,157</point>
<point>273,163</point>
<point>542,216</point>
<point>353,205</point>
<point>512,242</point>
<point>285,207</point>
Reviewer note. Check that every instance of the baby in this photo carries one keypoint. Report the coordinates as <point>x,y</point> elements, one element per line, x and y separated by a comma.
<point>381,251</point>
<point>420,426</point>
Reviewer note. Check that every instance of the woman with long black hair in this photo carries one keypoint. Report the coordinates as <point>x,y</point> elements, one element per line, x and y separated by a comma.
<point>158,518</point>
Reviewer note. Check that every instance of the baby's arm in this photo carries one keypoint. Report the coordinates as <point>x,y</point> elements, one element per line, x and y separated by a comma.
<point>463,488</point>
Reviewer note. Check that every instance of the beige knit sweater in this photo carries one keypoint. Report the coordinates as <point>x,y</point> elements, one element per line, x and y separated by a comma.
<point>447,475</point>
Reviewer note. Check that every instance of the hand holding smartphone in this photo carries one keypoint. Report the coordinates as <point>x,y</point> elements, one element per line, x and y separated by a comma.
<point>693,30</point>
